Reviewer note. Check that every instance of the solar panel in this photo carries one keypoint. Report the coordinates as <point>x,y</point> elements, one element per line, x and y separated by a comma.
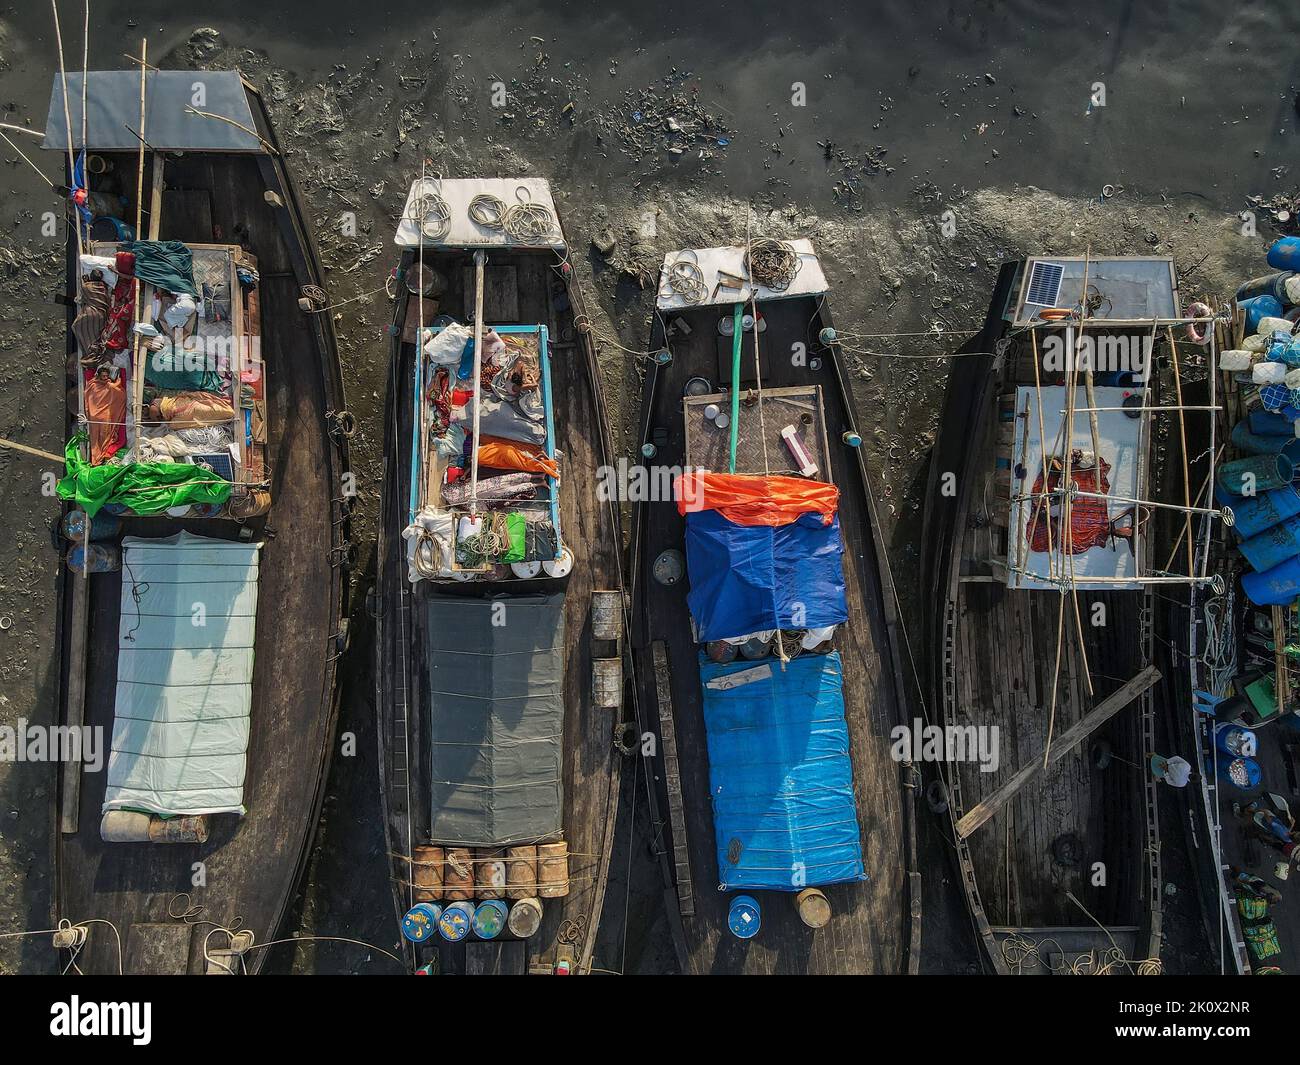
<point>1044,287</point>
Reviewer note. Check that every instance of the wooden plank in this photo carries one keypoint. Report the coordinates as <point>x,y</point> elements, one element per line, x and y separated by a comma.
<point>75,711</point>
<point>1065,742</point>
<point>502,957</point>
<point>673,780</point>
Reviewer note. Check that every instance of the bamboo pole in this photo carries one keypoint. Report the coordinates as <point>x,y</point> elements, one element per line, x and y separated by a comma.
<point>480,262</point>
<point>1182,433</point>
<point>137,369</point>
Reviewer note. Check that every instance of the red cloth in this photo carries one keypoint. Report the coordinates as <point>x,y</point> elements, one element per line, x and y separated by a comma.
<point>1089,517</point>
<point>755,500</point>
<point>121,313</point>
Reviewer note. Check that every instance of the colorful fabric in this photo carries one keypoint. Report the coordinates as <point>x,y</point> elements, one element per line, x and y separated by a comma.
<point>165,264</point>
<point>106,413</point>
<point>145,487</point>
<point>752,578</point>
<point>192,410</point>
<point>121,314</point>
<point>92,313</point>
<point>753,500</point>
<point>513,455</point>
<point>1089,518</point>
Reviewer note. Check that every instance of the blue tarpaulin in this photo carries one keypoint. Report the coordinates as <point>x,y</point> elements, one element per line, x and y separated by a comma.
<point>751,578</point>
<point>784,814</point>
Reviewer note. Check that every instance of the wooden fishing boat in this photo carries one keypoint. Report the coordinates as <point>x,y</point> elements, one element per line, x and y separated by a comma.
<point>1040,648</point>
<point>209,521</point>
<point>500,634</point>
<point>784,806</point>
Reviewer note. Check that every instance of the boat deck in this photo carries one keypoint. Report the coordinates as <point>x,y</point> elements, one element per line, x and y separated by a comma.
<point>869,932</point>
<point>592,764</point>
<point>250,865</point>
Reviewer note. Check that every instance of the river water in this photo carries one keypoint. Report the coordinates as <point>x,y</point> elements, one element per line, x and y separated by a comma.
<point>857,125</point>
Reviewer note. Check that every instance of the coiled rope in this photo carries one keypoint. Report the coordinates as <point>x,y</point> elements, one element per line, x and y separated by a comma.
<point>686,279</point>
<point>429,211</point>
<point>525,221</point>
<point>772,263</point>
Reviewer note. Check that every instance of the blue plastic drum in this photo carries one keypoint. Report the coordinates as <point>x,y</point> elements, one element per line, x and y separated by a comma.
<point>1243,773</point>
<point>421,921</point>
<point>456,921</point>
<point>490,918</point>
<point>744,918</point>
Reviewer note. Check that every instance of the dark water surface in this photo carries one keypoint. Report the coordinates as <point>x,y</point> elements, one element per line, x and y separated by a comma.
<point>907,109</point>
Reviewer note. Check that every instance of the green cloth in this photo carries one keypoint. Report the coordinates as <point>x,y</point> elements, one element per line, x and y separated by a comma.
<point>145,487</point>
<point>165,264</point>
<point>516,527</point>
<point>167,369</point>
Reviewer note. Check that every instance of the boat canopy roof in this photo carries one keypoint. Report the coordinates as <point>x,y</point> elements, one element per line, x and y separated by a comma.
<point>1121,288</point>
<point>494,692</point>
<point>172,98</point>
<point>437,214</point>
<point>716,263</point>
<point>184,690</point>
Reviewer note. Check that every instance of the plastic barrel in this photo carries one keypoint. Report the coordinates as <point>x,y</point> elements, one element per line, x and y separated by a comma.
<point>490,918</point>
<point>1266,444</point>
<point>103,526</point>
<point>1269,423</point>
<point>1270,285</point>
<point>421,921</point>
<point>1243,773</point>
<point>525,917</point>
<point>1285,254</point>
<point>1259,308</point>
<point>1258,473</point>
<point>456,921</point>
<point>1273,546</point>
<point>1255,514</point>
<point>1231,739</point>
<point>1274,587</point>
<point>744,917</point>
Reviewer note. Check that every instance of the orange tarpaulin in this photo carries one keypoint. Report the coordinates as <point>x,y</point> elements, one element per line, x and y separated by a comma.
<point>106,412</point>
<point>751,500</point>
<point>512,455</point>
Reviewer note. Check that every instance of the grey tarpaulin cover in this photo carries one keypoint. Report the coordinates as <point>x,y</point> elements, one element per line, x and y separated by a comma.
<point>495,707</point>
<point>113,103</point>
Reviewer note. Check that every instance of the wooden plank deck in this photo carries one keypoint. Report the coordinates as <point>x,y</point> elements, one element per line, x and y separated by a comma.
<point>869,930</point>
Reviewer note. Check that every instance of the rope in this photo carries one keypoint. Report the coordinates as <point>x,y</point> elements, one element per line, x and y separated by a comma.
<point>686,279</point>
<point>772,263</point>
<point>527,222</point>
<point>429,211</point>
<point>487,211</point>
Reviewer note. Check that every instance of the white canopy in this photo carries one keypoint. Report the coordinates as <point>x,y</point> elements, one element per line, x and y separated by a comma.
<point>184,675</point>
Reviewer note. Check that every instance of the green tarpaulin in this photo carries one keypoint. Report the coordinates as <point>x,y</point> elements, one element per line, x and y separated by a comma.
<point>145,487</point>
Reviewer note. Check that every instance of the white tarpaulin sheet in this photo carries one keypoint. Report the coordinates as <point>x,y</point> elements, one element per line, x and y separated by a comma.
<point>713,262</point>
<point>184,675</point>
<point>464,232</point>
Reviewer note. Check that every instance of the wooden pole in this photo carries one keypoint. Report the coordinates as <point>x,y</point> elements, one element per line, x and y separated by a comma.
<point>737,340</point>
<point>1066,742</point>
<point>480,262</point>
<point>137,364</point>
<point>1182,433</point>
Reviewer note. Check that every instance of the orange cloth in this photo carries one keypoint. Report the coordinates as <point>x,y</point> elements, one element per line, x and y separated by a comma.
<point>754,500</point>
<point>192,410</point>
<point>513,455</point>
<point>106,413</point>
